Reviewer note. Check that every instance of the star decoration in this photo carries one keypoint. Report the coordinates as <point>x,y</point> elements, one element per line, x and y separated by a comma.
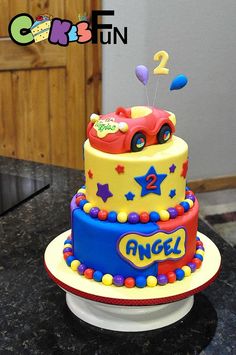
<point>129,196</point>
<point>103,191</point>
<point>184,169</point>
<point>120,169</point>
<point>172,193</point>
<point>90,174</point>
<point>172,168</point>
<point>151,182</point>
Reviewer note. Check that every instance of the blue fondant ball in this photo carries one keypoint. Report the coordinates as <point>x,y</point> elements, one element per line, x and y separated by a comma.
<point>141,281</point>
<point>112,216</point>
<point>82,203</point>
<point>185,205</point>
<point>179,274</point>
<point>198,256</point>
<point>68,241</point>
<point>154,216</point>
<point>97,276</point>
<point>70,259</point>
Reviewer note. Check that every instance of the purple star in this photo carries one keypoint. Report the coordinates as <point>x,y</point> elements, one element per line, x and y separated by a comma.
<point>172,168</point>
<point>172,193</point>
<point>129,196</point>
<point>103,191</point>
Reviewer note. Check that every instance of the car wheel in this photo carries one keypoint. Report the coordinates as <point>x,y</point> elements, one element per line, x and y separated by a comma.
<point>138,142</point>
<point>164,134</point>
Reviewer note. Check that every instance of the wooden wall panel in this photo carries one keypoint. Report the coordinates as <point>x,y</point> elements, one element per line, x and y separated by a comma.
<point>20,92</point>
<point>58,118</point>
<point>47,92</point>
<point>75,90</point>
<point>39,115</point>
<point>40,55</point>
<point>53,7</point>
<point>93,60</point>
<point>7,122</point>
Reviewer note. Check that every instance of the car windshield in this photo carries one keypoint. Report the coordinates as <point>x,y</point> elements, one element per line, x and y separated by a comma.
<point>140,111</point>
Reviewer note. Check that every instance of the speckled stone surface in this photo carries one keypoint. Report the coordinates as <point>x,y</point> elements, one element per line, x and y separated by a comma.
<point>34,318</point>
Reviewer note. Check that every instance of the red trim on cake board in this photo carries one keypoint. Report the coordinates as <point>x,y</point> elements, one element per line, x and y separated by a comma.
<point>131,302</point>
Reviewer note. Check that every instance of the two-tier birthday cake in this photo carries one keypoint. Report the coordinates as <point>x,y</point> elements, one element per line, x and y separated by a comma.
<point>135,222</point>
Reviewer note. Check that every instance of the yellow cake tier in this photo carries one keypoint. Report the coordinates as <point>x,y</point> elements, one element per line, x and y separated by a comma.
<point>153,179</point>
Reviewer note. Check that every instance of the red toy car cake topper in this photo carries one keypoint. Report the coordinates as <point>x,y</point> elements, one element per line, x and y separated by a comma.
<point>130,129</point>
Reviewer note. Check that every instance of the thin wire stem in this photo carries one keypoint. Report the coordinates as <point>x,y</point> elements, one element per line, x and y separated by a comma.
<point>155,92</point>
<point>147,95</point>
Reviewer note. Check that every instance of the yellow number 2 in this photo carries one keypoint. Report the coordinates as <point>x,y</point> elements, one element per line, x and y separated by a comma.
<point>163,57</point>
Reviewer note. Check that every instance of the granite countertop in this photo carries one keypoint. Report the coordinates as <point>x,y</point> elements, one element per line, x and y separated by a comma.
<point>34,316</point>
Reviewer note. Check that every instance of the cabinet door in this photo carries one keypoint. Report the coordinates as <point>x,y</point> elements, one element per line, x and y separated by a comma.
<point>47,92</point>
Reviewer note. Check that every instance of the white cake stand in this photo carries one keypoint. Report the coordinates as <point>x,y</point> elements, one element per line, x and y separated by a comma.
<point>129,310</point>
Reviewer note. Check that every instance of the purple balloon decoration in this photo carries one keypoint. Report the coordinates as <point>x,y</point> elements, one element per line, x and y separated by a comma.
<point>142,74</point>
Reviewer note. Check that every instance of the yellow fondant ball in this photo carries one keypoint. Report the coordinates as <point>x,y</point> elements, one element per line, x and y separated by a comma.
<point>75,264</point>
<point>82,191</point>
<point>151,281</point>
<point>164,215</point>
<point>122,217</point>
<point>67,246</point>
<point>190,202</point>
<point>200,252</point>
<point>87,207</point>
<point>187,271</point>
<point>107,279</point>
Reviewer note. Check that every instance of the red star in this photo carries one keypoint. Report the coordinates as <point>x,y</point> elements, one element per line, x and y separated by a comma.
<point>184,169</point>
<point>90,174</point>
<point>120,169</point>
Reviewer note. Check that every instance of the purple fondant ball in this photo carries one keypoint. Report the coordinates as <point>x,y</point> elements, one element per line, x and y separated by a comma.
<point>118,280</point>
<point>162,279</point>
<point>192,266</point>
<point>173,213</point>
<point>94,212</point>
<point>81,269</point>
<point>191,197</point>
<point>133,218</point>
<point>200,247</point>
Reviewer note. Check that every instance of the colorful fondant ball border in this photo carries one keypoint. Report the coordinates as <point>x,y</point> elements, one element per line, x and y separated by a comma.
<point>133,217</point>
<point>129,282</point>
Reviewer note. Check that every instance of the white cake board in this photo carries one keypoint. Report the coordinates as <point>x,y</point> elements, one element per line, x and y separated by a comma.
<point>123,309</point>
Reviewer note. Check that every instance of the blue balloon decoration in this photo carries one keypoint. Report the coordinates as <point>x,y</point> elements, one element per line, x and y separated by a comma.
<point>179,82</point>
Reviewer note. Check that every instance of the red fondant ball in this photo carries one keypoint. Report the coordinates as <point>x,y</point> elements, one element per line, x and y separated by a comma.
<point>199,243</point>
<point>189,192</point>
<point>179,209</point>
<point>171,276</point>
<point>89,273</point>
<point>197,262</point>
<point>68,253</point>
<point>144,217</point>
<point>102,215</point>
<point>129,282</point>
<point>78,199</point>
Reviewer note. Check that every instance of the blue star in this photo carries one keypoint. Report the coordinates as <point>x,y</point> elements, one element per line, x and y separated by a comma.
<point>129,196</point>
<point>151,182</point>
<point>172,193</point>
